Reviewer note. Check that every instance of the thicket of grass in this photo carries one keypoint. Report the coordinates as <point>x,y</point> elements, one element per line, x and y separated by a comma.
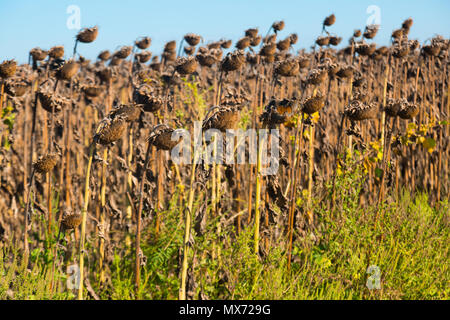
<point>409,245</point>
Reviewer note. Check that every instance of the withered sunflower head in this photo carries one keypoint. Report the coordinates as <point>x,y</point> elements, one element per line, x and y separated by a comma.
<point>87,35</point>
<point>143,56</point>
<point>56,52</point>
<point>71,221</point>
<point>161,137</point>
<point>268,49</point>
<point>38,54</point>
<point>316,76</point>
<point>225,44</point>
<point>51,102</point>
<point>143,43</point>
<point>408,111</point>
<point>287,68</point>
<point>104,55</point>
<point>284,45</point>
<point>123,52</point>
<point>314,103</point>
<point>278,25</point>
<point>68,70</point>
<point>46,163</point>
<point>221,118</point>
<point>233,61</point>
<point>251,32</point>
<point>192,39</point>
<point>330,20</point>
<point>129,112</point>
<point>357,33</point>
<point>110,130</point>
<point>243,43</point>
<point>186,65</point>
<point>358,111</point>
<point>371,31</point>
<point>170,46</point>
<point>8,68</point>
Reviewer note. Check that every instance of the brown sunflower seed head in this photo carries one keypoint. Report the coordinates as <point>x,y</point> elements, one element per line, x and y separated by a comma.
<point>323,41</point>
<point>358,111</point>
<point>371,31</point>
<point>397,34</point>
<point>105,74</point>
<point>431,50</point>
<point>251,33</point>
<point>313,104</point>
<point>143,56</point>
<point>38,54</point>
<point>46,163</point>
<point>287,68</point>
<point>277,112</point>
<point>330,20</point>
<point>293,37</point>
<point>56,52</point>
<point>111,130</point>
<point>284,45</point>
<point>303,62</point>
<point>186,65</point>
<point>243,43</point>
<point>206,59</point>
<point>221,118</point>
<point>144,98</point>
<point>278,25</point>
<point>268,49</point>
<point>189,50</point>
<point>192,39</point>
<point>393,106</point>
<point>400,51</point>
<point>51,102</point>
<point>161,137</point>
<point>16,87</point>
<point>123,52</point>
<point>357,33</point>
<point>68,70</point>
<point>71,221</point>
<point>87,35</point>
<point>8,68</point>
<point>407,24</point>
<point>316,76</point>
<point>129,112</point>
<point>169,55</point>
<point>252,59</point>
<point>345,72</point>
<point>104,55</point>
<point>170,46</point>
<point>92,91</point>
<point>335,40</point>
<point>143,43</point>
<point>225,44</point>
<point>408,111</point>
<point>365,49</point>
<point>233,61</point>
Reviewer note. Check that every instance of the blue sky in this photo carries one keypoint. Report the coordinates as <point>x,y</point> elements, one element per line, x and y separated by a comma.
<point>25,24</point>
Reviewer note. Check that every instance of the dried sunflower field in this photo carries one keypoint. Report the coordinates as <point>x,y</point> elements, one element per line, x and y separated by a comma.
<point>93,204</point>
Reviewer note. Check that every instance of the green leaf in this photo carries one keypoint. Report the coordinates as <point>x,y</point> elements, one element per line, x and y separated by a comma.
<point>378,172</point>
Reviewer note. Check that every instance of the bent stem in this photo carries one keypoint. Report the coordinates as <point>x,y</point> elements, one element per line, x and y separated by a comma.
<point>84,218</point>
<point>257,198</point>
<point>187,230</point>
<point>138,221</point>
